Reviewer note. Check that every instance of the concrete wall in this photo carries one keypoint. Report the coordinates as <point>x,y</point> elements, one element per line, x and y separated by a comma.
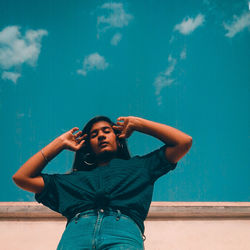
<point>169,226</point>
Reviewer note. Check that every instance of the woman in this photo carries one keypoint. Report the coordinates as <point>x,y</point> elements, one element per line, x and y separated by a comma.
<point>107,195</point>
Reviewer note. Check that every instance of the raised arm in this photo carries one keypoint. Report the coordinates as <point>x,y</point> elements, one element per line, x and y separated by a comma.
<point>28,176</point>
<point>178,142</point>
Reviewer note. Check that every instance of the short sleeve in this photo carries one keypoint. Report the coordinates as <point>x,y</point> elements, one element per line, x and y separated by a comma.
<point>49,195</point>
<point>157,164</point>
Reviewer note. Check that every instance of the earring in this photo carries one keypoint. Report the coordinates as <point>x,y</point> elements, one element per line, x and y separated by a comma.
<point>88,163</point>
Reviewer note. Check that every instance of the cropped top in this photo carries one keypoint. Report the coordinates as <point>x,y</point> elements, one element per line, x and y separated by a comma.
<point>126,185</point>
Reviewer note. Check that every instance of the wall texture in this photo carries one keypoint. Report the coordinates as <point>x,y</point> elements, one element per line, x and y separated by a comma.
<point>169,225</point>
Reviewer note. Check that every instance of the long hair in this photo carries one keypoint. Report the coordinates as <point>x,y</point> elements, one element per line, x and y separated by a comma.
<point>85,158</point>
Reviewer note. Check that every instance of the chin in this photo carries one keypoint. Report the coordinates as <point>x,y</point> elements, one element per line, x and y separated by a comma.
<point>105,153</point>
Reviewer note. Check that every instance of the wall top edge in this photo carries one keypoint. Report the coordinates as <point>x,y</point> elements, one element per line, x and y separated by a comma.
<point>154,203</point>
<point>29,210</point>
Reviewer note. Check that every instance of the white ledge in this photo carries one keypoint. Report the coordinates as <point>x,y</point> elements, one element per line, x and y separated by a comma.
<point>28,210</point>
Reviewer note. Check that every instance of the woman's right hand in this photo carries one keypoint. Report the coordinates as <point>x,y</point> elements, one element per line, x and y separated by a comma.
<point>73,141</point>
<point>28,176</point>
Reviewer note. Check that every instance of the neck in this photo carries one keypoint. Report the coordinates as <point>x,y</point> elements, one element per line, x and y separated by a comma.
<point>105,158</point>
<point>103,163</point>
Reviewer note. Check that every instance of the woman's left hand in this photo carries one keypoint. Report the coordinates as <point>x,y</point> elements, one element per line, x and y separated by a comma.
<point>127,127</point>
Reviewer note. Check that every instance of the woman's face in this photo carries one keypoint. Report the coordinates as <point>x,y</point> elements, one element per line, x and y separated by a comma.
<point>102,138</point>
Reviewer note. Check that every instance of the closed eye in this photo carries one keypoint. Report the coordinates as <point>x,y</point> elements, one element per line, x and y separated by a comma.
<point>93,135</point>
<point>106,130</point>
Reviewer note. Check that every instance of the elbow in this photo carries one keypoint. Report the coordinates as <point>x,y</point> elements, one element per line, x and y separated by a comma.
<point>18,180</point>
<point>14,178</point>
<point>189,141</point>
<point>186,141</point>
<point>187,144</point>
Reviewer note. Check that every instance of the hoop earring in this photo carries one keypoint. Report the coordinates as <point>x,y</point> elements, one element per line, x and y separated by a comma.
<point>88,163</point>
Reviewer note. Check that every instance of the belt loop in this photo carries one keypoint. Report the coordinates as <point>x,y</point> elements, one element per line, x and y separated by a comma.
<point>77,217</point>
<point>118,215</point>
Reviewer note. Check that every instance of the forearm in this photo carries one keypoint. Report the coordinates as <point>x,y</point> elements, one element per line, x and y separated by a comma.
<point>169,135</point>
<point>34,166</point>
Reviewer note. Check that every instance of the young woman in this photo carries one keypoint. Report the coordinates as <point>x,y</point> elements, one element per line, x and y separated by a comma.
<point>107,195</point>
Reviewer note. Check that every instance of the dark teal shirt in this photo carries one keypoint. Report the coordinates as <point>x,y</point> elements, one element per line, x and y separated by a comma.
<point>126,185</point>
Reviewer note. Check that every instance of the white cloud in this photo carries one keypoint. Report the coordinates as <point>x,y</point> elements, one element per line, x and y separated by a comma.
<point>171,67</point>
<point>159,100</point>
<point>12,76</point>
<point>116,18</point>
<point>171,39</point>
<point>188,25</point>
<point>164,78</point>
<point>16,49</point>
<point>116,39</point>
<point>238,24</point>
<point>92,62</point>
<point>160,82</point>
<point>183,54</point>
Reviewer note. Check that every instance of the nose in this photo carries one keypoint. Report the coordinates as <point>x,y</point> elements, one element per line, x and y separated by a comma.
<point>101,136</point>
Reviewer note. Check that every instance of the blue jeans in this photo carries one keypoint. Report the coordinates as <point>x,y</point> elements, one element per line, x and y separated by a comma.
<point>101,229</point>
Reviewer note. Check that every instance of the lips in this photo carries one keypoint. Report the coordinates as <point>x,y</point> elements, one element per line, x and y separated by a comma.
<point>103,143</point>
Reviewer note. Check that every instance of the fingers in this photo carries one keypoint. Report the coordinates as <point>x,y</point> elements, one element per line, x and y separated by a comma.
<point>117,127</point>
<point>74,129</point>
<point>124,125</point>
<point>126,133</point>
<point>76,147</point>
<point>78,134</point>
<point>121,118</point>
<point>120,123</point>
<point>79,145</point>
<point>83,137</point>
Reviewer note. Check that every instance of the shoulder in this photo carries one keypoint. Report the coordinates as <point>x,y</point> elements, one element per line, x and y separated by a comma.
<point>58,176</point>
<point>156,152</point>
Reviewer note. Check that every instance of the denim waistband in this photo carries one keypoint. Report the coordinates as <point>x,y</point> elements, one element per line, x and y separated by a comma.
<point>106,211</point>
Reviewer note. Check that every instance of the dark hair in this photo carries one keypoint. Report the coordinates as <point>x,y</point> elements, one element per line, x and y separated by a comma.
<point>84,157</point>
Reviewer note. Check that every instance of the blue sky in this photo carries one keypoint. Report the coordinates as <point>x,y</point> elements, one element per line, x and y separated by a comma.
<point>181,63</point>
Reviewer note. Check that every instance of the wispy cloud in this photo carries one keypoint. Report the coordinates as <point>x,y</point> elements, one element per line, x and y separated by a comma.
<point>116,39</point>
<point>93,62</point>
<point>188,25</point>
<point>172,63</point>
<point>161,81</point>
<point>183,54</point>
<point>164,78</point>
<point>12,76</point>
<point>115,17</point>
<point>16,49</point>
<point>238,24</point>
